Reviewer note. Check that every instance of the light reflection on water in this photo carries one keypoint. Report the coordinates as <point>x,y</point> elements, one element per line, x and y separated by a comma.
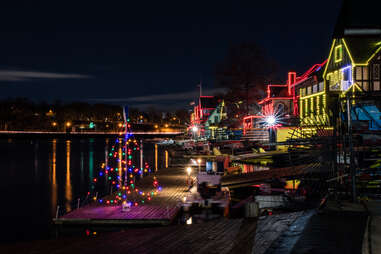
<point>54,189</point>
<point>46,173</point>
<point>91,164</point>
<point>68,187</point>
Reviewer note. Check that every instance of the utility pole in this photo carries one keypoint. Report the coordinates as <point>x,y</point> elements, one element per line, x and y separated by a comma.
<point>200,85</point>
<point>247,98</point>
<point>350,141</point>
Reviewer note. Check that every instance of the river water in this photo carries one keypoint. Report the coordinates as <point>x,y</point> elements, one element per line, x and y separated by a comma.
<point>37,175</point>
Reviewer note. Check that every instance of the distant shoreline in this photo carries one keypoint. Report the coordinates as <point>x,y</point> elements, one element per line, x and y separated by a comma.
<point>22,134</point>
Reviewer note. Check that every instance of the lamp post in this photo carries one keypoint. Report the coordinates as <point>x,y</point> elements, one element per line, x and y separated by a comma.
<point>199,164</point>
<point>194,130</point>
<point>271,121</point>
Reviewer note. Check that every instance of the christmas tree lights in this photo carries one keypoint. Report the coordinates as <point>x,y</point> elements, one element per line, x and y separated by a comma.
<point>121,175</point>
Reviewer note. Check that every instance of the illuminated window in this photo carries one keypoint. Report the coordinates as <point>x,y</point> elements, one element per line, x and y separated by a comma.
<point>365,73</point>
<point>358,73</point>
<point>376,71</point>
<point>338,53</point>
<point>365,85</point>
<point>376,85</point>
<point>321,86</point>
<point>315,88</point>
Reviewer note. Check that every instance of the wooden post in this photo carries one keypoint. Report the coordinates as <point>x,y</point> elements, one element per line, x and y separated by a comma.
<point>57,211</point>
<point>251,210</point>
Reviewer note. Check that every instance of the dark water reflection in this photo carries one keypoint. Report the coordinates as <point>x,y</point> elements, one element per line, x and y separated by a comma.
<point>37,175</point>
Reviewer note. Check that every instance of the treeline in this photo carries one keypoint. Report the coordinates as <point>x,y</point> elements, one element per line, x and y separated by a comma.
<point>24,114</point>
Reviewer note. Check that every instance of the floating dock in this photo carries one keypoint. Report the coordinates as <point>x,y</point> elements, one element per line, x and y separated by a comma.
<point>161,210</point>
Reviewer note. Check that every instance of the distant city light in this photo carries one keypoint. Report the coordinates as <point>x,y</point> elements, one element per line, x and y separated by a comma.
<point>194,129</point>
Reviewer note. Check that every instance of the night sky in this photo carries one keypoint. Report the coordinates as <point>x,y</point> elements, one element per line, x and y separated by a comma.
<point>149,53</point>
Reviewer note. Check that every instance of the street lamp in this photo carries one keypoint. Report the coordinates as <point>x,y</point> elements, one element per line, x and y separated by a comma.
<point>194,130</point>
<point>270,120</point>
<point>199,164</point>
<point>189,170</point>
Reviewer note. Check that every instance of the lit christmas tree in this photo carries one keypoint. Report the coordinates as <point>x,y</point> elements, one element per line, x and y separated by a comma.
<point>121,174</point>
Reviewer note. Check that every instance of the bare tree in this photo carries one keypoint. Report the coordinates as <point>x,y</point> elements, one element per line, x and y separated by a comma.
<point>245,71</point>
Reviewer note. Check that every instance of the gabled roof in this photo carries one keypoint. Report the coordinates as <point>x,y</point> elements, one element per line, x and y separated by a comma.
<point>362,48</point>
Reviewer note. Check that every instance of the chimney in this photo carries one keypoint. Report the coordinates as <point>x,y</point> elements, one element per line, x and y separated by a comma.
<point>291,80</point>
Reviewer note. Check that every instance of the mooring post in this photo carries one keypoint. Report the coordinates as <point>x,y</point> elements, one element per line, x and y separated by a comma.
<point>58,208</point>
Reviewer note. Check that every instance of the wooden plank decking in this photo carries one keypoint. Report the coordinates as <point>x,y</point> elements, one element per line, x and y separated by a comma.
<point>162,209</point>
<point>220,236</point>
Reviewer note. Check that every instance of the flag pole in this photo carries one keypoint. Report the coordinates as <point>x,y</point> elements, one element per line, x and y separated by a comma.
<point>200,88</point>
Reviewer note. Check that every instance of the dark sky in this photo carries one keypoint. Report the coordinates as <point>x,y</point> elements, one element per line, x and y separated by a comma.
<point>149,52</point>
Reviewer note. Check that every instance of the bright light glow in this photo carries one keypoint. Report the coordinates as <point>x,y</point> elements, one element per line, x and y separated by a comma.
<point>189,221</point>
<point>270,120</point>
<point>194,129</point>
<point>68,124</point>
<point>199,161</point>
<point>189,170</point>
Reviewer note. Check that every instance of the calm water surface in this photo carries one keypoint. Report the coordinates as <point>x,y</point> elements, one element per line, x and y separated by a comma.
<point>37,175</point>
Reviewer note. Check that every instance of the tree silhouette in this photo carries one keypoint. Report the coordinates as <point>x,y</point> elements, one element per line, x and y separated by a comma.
<point>245,71</point>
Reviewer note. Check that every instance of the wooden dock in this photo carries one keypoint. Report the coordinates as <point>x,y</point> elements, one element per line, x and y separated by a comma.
<point>162,209</point>
<point>221,236</point>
